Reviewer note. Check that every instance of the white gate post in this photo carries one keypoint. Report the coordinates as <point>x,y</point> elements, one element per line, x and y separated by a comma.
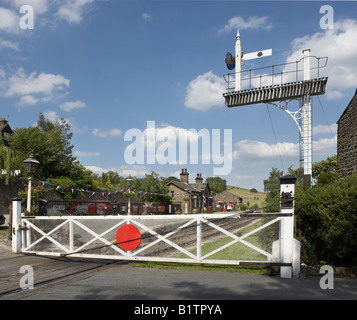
<point>16,225</point>
<point>199,240</point>
<point>287,241</point>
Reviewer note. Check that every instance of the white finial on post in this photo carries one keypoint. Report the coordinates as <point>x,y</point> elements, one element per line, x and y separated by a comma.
<point>238,76</point>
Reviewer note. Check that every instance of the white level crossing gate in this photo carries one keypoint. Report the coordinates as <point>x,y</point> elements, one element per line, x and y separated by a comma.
<point>235,239</point>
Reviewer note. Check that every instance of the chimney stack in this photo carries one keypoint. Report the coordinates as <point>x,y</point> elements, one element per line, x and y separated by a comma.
<point>184,176</point>
<point>199,178</point>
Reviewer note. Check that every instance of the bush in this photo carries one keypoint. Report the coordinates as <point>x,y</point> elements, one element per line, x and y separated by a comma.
<point>244,206</point>
<point>327,217</point>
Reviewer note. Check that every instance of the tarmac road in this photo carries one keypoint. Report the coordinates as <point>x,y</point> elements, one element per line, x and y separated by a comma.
<point>93,280</point>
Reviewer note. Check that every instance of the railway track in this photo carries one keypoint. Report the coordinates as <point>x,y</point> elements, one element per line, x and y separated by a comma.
<point>47,272</point>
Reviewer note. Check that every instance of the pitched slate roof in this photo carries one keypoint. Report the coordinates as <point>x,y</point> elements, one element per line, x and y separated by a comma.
<point>183,186</point>
<point>4,126</point>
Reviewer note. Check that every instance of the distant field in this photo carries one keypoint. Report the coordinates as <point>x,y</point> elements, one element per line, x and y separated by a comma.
<point>251,197</point>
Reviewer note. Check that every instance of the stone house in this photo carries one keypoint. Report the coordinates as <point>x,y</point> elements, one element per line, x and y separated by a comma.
<point>347,140</point>
<point>225,198</point>
<point>190,197</point>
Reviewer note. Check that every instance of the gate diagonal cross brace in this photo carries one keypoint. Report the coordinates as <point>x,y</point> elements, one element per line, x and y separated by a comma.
<point>164,238</point>
<point>46,236</point>
<point>99,237</point>
<point>240,239</point>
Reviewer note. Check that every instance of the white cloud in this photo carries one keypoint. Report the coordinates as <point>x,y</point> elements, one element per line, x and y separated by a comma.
<point>86,154</point>
<point>96,169</point>
<point>165,139</point>
<point>252,152</point>
<point>205,92</point>
<point>9,21</point>
<point>51,116</point>
<point>325,129</point>
<point>6,44</point>
<point>124,170</point>
<point>133,170</point>
<point>45,12</point>
<point>44,83</point>
<point>146,16</point>
<point>39,6</point>
<point>253,160</point>
<point>27,100</point>
<point>249,23</point>
<point>112,133</point>
<point>258,149</point>
<point>338,45</point>
<point>72,10</point>
<point>70,105</point>
<point>323,148</point>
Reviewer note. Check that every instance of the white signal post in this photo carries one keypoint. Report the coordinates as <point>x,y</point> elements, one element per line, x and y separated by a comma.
<point>238,63</point>
<point>306,123</point>
<point>243,57</point>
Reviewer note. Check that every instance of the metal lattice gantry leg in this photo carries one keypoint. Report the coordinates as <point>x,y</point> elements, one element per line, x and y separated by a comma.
<point>307,123</point>
<point>303,119</point>
<point>307,138</point>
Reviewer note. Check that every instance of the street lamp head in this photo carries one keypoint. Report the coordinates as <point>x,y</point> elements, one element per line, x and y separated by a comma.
<point>31,164</point>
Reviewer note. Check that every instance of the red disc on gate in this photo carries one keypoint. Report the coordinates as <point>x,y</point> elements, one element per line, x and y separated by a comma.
<point>128,237</point>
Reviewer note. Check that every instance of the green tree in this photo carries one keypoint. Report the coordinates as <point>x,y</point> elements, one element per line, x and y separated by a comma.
<point>325,171</point>
<point>171,178</point>
<point>217,184</point>
<point>50,143</point>
<point>6,167</point>
<point>152,183</point>
<point>298,173</point>
<point>80,175</point>
<point>272,188</point>
<point>112,176</point>
<point>153,187</point>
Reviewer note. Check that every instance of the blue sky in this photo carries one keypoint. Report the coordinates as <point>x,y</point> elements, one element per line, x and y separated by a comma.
<point>108,66</point>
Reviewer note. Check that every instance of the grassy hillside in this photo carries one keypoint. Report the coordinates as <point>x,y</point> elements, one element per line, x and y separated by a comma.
<point>251,197</point>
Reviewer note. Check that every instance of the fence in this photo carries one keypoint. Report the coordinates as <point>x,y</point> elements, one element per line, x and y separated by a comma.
<point>275,74</point>
<point>237,238</point>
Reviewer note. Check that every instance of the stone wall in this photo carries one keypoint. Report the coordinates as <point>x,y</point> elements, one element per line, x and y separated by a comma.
<point>347,140</point>
<point>8,192</point>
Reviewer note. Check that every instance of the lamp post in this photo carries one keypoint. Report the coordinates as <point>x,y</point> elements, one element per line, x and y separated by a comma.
<point>31,165</point>
<point>129,180</point>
